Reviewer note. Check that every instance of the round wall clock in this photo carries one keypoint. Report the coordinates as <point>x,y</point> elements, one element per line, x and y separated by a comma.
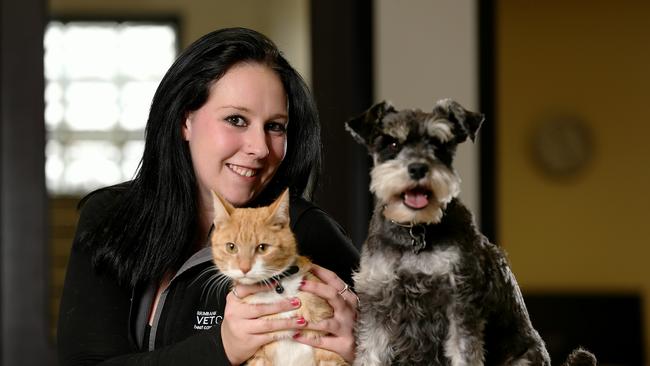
<point>562,145</point>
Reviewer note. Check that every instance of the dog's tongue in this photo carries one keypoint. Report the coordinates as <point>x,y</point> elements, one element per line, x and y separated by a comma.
<point>416,198</point>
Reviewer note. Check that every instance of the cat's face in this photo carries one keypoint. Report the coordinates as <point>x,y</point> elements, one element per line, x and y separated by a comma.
<point>251,245</point>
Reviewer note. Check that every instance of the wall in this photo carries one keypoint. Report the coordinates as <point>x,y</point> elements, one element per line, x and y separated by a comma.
<point>23,225</point>
<point>586,232</point>
<point>286,22</point>
<point>425,51</point>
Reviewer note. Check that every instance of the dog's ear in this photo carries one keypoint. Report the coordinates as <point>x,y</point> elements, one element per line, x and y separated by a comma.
<point>363,127</point>
<point>466,123</point>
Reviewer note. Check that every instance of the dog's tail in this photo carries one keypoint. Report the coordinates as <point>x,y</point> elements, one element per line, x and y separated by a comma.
<point>581,357</point>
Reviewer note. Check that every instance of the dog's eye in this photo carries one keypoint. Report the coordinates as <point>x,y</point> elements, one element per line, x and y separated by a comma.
<point>389,145</point>
<point>433,142</point>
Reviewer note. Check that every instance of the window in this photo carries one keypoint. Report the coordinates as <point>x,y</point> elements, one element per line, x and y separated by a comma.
<point>100,78</point>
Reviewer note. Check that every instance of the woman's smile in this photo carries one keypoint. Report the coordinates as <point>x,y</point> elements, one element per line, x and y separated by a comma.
<point>242,170</point>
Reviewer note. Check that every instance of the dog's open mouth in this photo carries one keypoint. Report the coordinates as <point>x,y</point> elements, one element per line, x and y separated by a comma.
<point>416,198</point>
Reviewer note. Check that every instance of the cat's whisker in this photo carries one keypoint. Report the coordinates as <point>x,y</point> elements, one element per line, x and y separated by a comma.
<point>267,282</point>
<point>205,272</point>
<point>272,271</point>
<point>215,284</point>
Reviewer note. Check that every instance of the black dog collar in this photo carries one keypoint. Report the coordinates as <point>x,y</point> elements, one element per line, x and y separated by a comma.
<point>292,270</point>
<point>416,231</point>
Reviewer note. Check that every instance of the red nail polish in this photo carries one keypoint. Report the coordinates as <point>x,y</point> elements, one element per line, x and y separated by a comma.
<point>302,283</point>
<point>297,335</point>
<point>301,321</point>
<point>295,302</point>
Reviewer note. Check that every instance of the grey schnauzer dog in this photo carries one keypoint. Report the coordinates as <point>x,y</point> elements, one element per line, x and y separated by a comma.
<point>433,289</point>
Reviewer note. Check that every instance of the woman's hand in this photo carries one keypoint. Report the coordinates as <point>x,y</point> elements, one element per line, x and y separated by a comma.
<point>340,327</point>
<point>243,331</point>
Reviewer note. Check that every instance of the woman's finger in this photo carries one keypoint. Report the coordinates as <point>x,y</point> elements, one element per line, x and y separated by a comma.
<point>320,289</point>
<point>342,289</point>
<point>338,301</point>
<point>330,325</point>
<point>254,311</point>
<point>283,327</point>
<point>327,276</point>
<point>350,297</point>
<point>241,291</point>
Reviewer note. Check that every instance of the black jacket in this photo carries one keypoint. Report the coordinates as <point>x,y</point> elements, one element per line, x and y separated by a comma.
<point>103,323</point>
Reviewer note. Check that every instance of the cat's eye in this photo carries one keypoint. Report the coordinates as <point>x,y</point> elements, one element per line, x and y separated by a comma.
<point>262,248</point>
<point>231,248</point>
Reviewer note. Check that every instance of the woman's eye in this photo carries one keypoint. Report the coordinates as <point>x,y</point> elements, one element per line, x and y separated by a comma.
<point>231,248</point>
<point>236,120</point>
<point>276,127</point>
<point>262,247</point>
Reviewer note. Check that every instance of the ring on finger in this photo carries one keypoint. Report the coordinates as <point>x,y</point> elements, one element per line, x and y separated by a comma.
<point>345,288</point>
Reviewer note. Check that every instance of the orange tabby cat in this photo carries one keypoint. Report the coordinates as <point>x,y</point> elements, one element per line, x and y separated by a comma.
<point>256,245</point>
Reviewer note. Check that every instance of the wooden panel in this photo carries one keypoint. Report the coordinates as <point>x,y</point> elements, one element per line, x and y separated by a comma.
<point>63,216</point>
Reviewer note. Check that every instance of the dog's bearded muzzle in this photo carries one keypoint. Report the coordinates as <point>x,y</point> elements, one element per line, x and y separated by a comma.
<point>409,200</point>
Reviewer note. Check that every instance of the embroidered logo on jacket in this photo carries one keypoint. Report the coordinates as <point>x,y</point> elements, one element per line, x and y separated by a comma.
<point>207,319</point>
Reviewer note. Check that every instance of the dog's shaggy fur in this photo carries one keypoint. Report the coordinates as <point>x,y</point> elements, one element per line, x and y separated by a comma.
<point>433,290</point>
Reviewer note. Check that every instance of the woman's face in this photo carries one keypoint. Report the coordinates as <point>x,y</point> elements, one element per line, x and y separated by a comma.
<point>238,139</point>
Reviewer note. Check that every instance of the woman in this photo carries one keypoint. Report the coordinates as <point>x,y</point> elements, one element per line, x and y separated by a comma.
<point>230,115</point>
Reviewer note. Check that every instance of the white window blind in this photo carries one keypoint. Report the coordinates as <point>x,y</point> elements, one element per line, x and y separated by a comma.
<point>100,78</point>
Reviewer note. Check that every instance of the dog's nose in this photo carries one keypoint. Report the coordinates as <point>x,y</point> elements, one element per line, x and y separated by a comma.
<point>417,170</point>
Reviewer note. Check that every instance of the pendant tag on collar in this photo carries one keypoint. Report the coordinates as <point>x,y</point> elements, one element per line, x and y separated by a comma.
<point>293,269</point>
<point>417,233</point>
<point>418,240</point>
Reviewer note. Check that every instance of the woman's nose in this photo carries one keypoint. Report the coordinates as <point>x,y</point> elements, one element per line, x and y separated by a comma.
<point>255,143</point>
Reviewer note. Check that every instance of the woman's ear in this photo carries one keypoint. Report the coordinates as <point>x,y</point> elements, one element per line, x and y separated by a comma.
<point>186,128</point>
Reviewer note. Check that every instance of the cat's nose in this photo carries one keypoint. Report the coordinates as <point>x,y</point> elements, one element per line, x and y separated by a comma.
<point>245,267</point>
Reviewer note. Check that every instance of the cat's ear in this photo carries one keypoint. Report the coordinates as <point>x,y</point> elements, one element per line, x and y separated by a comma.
<point>280,210</point>
<point>222,209</point>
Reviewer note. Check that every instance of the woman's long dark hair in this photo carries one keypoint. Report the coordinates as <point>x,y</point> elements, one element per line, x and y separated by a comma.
<point>153,227</point>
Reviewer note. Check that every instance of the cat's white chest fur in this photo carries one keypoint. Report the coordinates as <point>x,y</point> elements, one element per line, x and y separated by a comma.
<point>293,353</point>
